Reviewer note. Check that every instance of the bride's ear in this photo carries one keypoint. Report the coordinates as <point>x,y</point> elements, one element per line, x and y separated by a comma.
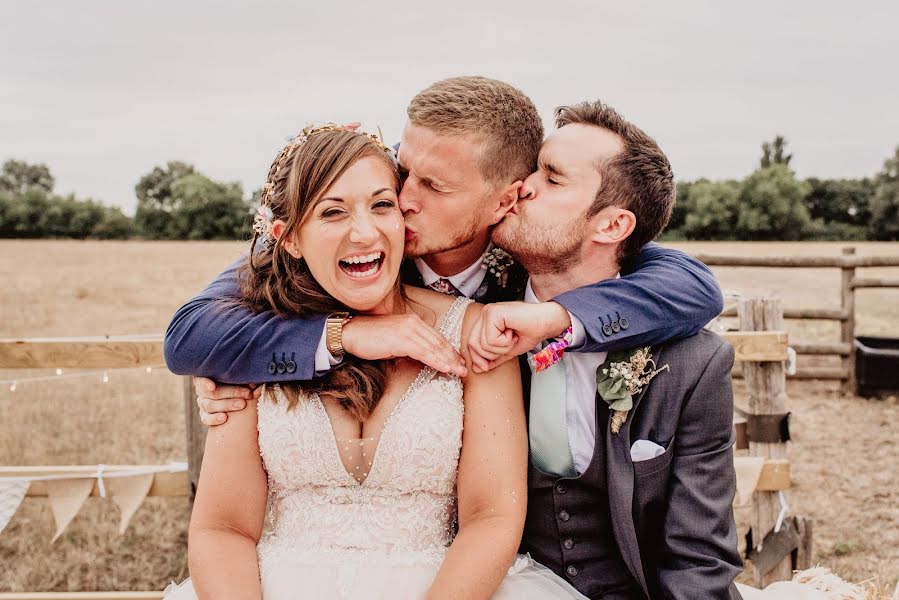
<point>289,243</point>
<point>506,201</point>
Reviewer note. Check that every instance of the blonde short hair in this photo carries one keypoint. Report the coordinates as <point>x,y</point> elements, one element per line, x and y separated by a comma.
<point>502,116</point>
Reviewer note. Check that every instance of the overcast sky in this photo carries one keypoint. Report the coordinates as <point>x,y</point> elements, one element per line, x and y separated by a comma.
<point>104,91</point>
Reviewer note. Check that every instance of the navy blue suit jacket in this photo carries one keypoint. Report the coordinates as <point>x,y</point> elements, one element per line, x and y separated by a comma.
<point>662,294</point>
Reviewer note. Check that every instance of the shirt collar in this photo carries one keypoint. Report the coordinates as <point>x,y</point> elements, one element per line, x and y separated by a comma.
<point>467,281</point>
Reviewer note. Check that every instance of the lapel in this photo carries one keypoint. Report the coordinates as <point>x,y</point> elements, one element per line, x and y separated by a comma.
<point>516,280</point>
<point>620,481</point>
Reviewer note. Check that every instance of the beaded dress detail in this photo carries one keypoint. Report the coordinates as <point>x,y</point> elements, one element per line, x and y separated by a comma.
<point>376,534</point>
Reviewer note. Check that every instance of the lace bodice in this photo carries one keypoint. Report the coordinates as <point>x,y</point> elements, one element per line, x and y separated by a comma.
<point>404,507</point>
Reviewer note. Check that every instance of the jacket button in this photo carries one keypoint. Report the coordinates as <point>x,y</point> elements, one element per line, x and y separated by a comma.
<point>571,570</point>
<point>568,544</point>
<point>607,329</point>
<point>291,366</point>
<point>281,367</point>
<point>272,368</point>
<point>616,326</point>
<point>623,323</point>
<point>564,516</point>
<point>561,488</point>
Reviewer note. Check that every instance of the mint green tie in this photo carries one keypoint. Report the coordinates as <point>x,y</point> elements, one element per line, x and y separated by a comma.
<point>547,423</point>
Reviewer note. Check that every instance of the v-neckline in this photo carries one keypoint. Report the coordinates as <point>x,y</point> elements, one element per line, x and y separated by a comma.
<point>424,375</point>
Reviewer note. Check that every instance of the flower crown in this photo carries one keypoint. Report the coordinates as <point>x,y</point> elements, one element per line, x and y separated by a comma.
<point>263,217</point>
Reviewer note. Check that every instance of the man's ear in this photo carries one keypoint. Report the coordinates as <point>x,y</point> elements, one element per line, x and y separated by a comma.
<point>613,225</point>
<point>289,243</point>
<point>506,201</point>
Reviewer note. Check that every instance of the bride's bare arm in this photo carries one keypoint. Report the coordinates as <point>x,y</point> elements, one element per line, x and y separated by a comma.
<point>492,483</point>
<point>229,511</point>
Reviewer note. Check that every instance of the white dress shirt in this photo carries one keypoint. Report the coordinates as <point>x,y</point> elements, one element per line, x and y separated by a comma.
<point>466,281</point>
<point>580,397</point>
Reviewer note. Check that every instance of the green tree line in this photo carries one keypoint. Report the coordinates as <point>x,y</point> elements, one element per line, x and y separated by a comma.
<point>771,203</point>
<point>175,202</point>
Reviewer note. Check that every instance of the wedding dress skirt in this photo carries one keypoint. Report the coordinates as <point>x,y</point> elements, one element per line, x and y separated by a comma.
<point>370,518</point>
<point>384,577</point>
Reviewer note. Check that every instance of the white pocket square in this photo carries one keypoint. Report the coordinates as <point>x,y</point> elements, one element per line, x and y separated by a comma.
<point>644,450</point>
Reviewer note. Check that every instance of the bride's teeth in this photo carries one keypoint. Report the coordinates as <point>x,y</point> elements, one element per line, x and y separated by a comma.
<point>355,260</point>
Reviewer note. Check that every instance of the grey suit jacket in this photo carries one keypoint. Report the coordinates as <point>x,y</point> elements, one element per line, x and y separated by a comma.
<point>673,514</point>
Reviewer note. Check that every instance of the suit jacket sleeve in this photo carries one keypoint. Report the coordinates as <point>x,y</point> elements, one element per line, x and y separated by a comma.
<point>212,336</point>
<point>663,294</point>
<point>699,557</point>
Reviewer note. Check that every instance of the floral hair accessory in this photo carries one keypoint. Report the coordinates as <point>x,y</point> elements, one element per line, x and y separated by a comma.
<point>262,222</point>
<point>496,261</point>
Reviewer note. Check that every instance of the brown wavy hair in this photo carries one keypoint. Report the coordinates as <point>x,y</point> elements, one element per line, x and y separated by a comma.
<point>273,279</point>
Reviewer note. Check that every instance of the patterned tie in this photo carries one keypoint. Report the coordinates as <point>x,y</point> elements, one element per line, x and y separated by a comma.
<point>445,286</point>
<point>547,422</point>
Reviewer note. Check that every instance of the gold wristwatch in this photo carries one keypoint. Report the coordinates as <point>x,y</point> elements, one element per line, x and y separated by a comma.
<point>334,332</point>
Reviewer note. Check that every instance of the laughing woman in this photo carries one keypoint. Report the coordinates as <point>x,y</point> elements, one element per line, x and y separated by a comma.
<point>384,479</point>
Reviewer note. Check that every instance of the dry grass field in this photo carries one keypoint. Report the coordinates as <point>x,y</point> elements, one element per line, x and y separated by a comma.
<point>844,450</point>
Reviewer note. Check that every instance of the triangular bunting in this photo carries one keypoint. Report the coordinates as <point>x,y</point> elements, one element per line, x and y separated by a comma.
<point>128,493</point>
<point>11,494</point>
<point>66,497</point>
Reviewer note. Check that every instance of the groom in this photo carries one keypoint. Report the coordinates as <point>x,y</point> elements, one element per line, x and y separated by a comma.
<point>644,512</point>
<point>467,146</point>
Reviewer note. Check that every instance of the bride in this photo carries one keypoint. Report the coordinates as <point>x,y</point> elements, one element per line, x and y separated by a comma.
<point>382,479</point>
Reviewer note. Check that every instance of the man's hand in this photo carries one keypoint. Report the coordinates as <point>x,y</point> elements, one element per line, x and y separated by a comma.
<point>393,336</point>
<point>508,329</point>
<point>216,400</point>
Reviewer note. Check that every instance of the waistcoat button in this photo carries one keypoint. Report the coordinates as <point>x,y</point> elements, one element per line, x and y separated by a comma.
<point>571,570</point>
<point>561,488</point>
<point>568,544</point>
<point>564,515</point>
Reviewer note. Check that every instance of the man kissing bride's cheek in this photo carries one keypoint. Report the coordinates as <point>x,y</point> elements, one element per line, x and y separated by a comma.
<point>415,369</point>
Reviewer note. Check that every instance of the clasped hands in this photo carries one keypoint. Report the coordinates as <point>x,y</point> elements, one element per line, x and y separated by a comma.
<point>502,332</point>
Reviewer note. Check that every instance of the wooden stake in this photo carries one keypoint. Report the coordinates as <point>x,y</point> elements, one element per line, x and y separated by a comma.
<point>847,327</point>
<point>766,383</point>
<point>196,434</point>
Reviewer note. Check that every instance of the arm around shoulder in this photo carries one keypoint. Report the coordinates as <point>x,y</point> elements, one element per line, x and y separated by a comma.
<point>662,294</point>
<point>214,336</point>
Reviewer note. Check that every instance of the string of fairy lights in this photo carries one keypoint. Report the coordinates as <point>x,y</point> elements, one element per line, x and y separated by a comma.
<point>61,375</point>
<point>103,374</point>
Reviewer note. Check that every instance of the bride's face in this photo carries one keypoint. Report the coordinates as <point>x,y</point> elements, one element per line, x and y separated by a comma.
<point>353,237</point>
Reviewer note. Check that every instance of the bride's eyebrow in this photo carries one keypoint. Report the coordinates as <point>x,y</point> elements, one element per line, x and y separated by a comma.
<point>377,192</point>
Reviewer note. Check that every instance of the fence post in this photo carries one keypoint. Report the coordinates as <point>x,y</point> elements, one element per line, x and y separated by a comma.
<point>847,329</point>
<point>196,434</point>
<point>766,384</point>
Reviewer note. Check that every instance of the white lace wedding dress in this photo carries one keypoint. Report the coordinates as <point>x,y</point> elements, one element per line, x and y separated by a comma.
<point>382,532</point>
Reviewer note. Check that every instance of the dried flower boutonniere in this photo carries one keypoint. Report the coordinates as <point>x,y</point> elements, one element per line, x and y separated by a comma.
<point>496,261</point>
<point>623,376</point>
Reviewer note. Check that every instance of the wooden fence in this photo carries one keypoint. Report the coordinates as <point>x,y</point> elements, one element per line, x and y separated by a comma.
<point>848,264</point>
<point>101,353</point>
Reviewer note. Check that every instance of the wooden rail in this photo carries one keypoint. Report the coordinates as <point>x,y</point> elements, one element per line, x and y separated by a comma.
<point>80,353</point>
<point>81,596</point>
<point>847,261</point>
<point>849,282</point>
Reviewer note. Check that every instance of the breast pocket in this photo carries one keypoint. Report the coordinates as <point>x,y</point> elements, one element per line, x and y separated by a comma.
<point>656,464</point>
